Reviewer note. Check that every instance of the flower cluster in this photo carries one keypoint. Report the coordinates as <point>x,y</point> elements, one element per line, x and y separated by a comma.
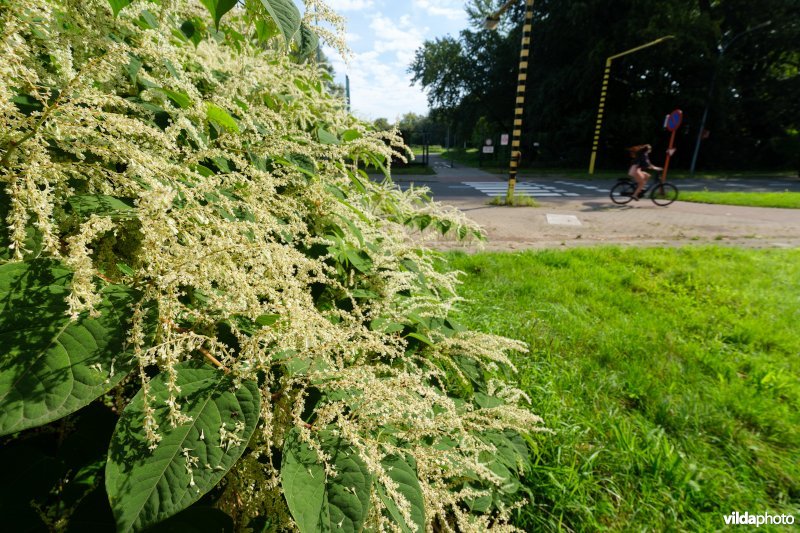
<point>217,177</point>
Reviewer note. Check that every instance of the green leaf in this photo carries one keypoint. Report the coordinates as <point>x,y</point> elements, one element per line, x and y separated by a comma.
<point>221,117</point>
<point>318,503</point>
<point>403,471</point>
<point>285,15</point>
<point>101,204</point>
<point>267,320</point>
<point>307,41</point>
<point>358,258</point>
<point>181,99</point>
<point>147,20</point>
<point>117,5</point>
<point>420,337</point>
<point>350,135</point>
<point>326,137</point>
<point>146,487</point>
<point>52,366</point>
<point>218,8</point>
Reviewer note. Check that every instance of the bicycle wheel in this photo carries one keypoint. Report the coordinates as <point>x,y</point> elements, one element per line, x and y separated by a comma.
<point>664,194</point>
<point>622,192</point>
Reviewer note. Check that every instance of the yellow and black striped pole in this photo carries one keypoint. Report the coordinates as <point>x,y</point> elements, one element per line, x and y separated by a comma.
<point>604,93</point>
<point>600,111</point>
<point>519,107</point>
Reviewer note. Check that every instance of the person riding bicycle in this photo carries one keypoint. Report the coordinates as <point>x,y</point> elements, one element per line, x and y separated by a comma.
<point>641,163</point>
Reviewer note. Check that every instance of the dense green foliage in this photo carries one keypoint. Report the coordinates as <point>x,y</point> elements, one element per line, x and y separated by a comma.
<point>669,377</point>
<point>754,115</point>
<point>210,317</point>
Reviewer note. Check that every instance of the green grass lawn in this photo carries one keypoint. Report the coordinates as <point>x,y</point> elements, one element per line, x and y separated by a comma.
<point>786,199</point>
<point>669,378</point>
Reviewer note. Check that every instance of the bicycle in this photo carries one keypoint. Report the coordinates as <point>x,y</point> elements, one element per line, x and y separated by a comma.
<point>662,194</point>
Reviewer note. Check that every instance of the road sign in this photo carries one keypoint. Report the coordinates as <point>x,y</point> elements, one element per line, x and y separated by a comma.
<point>504,139</point>
<point>487,142</point>
<point>672,123</point>
<point>488,149</point>
<point>674,120</point>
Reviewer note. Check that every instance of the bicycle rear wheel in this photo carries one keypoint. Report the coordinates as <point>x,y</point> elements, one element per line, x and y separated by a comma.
<point>664,194</point>
<point>622,192</point>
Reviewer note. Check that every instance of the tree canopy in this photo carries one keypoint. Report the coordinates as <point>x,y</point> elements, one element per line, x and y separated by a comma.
<point>754,114</point>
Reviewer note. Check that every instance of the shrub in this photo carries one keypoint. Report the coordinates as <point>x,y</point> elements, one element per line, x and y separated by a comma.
<point>191,245</point>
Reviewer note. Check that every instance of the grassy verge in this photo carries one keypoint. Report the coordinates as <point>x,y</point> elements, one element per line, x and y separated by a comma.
<point>670,378</point>
<point>787,199</point>
<point>519,200</point>
<point>433,149</point>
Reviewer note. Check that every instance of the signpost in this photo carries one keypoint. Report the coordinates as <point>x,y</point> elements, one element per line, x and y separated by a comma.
<point>671,123</point>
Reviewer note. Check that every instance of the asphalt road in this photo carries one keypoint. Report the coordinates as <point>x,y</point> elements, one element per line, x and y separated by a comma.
<point>467,182</point>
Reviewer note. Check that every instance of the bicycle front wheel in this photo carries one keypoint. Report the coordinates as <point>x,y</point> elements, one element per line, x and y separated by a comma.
<point>664,194</point>
<point>622,192</point>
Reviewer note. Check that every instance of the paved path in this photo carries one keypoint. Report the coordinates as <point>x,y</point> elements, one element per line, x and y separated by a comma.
<point>462,181</point>
<point>579,213</point>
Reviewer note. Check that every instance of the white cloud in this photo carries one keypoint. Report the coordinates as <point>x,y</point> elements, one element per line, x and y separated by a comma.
<point>451,9</point>
<point>349,5</point>
<point>379,88</point>
<point>400,36</point>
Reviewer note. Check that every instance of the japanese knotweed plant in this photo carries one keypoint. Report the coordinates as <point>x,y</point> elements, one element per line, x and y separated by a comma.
<point>189,239</point>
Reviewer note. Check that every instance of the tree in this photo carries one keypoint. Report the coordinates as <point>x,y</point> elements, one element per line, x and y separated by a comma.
<point>381,124</point>
<point>753,112</point>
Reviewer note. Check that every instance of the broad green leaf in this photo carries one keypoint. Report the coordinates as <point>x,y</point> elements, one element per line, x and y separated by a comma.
<point>319,503</point>
<point>307,41</point>
<point>146,487</point>
<point>52,366</point>
<point>147,20</point>
<point>351,135</point>
<point>420,337</point>
<point>133,67</point>
<point>101,204</point>
<point>221,117</point>
<point>403,471</point>
<point>218,8</point>
<point>358,258</point>
<point>118,5</point>
<point>285,15</point>
<point>326,137</point>
<point>181,99</point>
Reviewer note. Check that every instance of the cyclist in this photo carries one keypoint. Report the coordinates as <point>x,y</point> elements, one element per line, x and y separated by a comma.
<point>641,163</point>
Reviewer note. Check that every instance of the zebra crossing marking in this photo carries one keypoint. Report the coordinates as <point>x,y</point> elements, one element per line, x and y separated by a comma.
<point>496,189</point>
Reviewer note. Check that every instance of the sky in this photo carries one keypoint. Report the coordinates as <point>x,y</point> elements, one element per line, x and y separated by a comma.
<point>383,36</point>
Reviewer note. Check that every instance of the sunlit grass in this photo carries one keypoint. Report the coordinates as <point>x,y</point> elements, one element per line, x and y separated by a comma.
<point>670,379</point>
<point>790,200</point>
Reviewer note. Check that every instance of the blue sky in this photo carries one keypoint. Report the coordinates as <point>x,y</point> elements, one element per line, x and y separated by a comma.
<point>383,36</point>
